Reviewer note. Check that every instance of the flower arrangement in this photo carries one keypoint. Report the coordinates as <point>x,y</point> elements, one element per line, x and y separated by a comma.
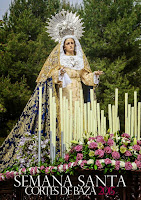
<point>107,153</point>
<point>27,151</point>
<point>110,152</point>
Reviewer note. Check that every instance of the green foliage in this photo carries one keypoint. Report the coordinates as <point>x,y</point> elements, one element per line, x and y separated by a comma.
<point>24,46</point>
<point>111,43</point>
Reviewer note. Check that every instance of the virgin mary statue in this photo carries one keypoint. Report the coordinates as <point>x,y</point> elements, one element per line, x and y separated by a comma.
<point>67,68</point>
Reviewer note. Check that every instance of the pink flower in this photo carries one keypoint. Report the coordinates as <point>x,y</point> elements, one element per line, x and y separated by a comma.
<point>12,174</point>
<point>110,142</point>
<point>128,153</point>
<point>111,135</point>
<point>99,165</point>
<point>117,165</point>
<point>42,167</point>
<point>75,163</point>
<point>125,135</point>
<point>82,163</point>
<point>139,142</point>
<point>99,153</point>
<point>66,157</point>
<point>138,163</point>
<point>92,145</point>
<point>136,147</point>
<point>91,138</point>
<point>107,161</point>
<point>139,157</point>
<point>128,166</point>
<point>100,139</point>
<point>23,170</point>
<point>79,156</point>
<point>69,164</point>
<point>65,167</point>
<point>115,155</point>
<point>8,175</point>
<point>107,150</point>
<point>78,148</point>
<point>47,170</point>
<point>2,177</point>
<point>51,168</point>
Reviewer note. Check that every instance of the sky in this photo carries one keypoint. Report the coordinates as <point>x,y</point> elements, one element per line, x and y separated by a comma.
<point>4,5</point>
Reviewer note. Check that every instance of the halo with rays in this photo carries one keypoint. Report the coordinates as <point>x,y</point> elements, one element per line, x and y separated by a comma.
<point>64,23</point>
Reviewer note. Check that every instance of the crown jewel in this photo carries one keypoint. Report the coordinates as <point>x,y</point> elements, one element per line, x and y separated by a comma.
<point>64,23</point>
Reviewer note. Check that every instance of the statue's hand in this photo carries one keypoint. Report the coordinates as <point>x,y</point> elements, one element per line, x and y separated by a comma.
<point>98,72</point>
<point>62,71</point>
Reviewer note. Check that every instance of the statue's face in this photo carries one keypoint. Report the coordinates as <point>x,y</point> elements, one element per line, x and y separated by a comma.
<point>69,46</point>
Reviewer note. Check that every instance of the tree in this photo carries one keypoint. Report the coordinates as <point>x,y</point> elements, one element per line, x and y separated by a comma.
<point>24,46</point>
<point>110,42</point>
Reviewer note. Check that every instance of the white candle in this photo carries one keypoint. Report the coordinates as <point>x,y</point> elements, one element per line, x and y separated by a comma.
<point>135,113</point>
<point>129,119</point>
<point>98,117</point>
<point>39,131</point>
<point>85,118</point>
<point>104,125</point>
<point>139,120</point>
<point>71,121</point>
<point>113,118</point>
<point>95,117</point>
<point>75,113</point>
<point>126,112</point>
<point>54,121</point>
<point>110,117</point>
<point>132,121</point>
<point>78,121</point>
<point>61,109</point>
<point>81,113</point>
<point>64,118</point>
<point>102,122</point>
<point>89,118</point>
<point>92,121</point>
<point>67,125</point>
<point>50,96</point>
<point>54,126</point>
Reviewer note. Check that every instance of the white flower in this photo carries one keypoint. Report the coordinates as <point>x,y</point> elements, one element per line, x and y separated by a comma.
<point>79,162</point>
<point>43,146</point>
<point>80,142</point>
<point>60,168</point>
<point>113,162</point>
<point>122,164</point>
<point>90,161</point>
<point>114,147</point>
<point>134,166</point>
<point>101,161</point>
<point>55,168</point>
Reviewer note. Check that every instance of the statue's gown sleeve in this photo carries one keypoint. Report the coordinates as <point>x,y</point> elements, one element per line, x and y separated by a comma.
<point>76,76</point>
